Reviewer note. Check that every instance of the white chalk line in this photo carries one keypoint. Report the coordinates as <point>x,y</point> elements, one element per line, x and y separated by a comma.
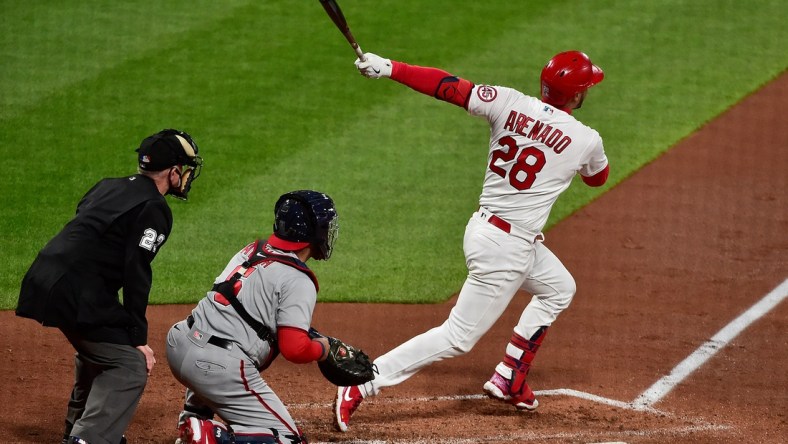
<point>553,392</point>
<point>642,403</point>
<point>699,357</point>
<point>541,437</point>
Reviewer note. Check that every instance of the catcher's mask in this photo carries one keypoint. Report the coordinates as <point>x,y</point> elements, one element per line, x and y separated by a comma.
<point>567,74</point>
<point>303,218</point>
<point>171,148</point>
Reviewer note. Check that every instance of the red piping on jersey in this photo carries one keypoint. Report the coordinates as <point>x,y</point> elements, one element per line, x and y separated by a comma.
<point>598,179</point>
<point>262,401</point>
<point>433,82</point>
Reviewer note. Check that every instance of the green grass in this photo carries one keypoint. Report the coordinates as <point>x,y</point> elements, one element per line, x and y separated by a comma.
<point>270,94</point>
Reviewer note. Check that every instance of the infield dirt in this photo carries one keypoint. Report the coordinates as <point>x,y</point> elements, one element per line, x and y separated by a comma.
<point>663,261</point>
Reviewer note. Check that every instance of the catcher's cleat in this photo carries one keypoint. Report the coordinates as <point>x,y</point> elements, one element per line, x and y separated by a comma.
<point>499,388</point>
<point>347,401</point>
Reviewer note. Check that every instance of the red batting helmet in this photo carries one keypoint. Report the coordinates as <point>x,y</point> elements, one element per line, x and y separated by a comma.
<point>567,74</point>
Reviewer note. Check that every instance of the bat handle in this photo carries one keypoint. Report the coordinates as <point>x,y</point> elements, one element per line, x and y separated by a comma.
<point>359,52</point>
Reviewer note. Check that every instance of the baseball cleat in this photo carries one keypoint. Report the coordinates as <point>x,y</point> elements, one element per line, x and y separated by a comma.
<point>498,388</point>
<point>347,401</point>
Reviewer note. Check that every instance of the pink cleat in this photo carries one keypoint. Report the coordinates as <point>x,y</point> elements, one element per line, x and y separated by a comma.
<point>499,388</point>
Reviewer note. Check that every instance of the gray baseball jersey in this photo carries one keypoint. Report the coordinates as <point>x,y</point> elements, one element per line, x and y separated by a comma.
<point>225,378</point>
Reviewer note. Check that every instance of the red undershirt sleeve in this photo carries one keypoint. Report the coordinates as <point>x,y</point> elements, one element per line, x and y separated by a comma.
<point>433,82</point>
<point>296,345</point>
<point>598,179</point>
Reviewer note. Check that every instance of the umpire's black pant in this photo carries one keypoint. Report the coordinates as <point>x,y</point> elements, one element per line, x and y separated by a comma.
<point>108,383</point>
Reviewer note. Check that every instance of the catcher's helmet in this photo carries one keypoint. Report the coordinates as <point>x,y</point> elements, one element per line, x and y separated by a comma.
<point>303,218</point>
<point>168,148</point>
<point>567,74</point>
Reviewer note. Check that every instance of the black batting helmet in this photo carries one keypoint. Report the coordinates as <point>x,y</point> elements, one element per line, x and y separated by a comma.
<point>303,218</point>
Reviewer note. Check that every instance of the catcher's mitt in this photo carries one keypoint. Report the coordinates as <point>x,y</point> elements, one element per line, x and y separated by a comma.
<point>345,365</point>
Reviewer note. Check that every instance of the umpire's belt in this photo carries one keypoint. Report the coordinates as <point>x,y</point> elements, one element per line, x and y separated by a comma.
<point>505,226</point>
<point>213,340</point>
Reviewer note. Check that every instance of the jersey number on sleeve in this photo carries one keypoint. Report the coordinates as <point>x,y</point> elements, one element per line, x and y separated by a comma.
<point>150,240</point>
<point>530,161</point>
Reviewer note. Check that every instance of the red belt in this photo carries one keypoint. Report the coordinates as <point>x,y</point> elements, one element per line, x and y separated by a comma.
<point>500,223</point>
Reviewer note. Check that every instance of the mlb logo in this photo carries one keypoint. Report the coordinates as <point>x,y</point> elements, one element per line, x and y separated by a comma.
<point>548,110</point>
<point>145,159</point>
<point>197,335</point>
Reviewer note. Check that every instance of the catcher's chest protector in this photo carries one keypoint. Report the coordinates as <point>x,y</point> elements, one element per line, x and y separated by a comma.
<point>230,288</point>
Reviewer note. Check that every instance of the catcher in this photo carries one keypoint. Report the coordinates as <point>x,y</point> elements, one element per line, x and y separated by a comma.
<point>261,305</point>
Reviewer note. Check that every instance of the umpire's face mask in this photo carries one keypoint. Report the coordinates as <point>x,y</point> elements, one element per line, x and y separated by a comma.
<point>186,174</point>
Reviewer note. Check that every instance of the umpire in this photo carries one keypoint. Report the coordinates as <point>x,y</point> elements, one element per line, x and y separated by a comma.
<point>74,284</point>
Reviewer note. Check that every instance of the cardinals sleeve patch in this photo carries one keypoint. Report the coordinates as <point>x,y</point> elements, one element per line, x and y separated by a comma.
<point>486,93</point>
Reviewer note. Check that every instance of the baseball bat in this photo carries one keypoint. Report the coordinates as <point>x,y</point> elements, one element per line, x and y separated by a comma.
<point>333,11</point>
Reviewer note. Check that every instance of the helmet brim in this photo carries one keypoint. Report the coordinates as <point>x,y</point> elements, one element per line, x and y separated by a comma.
<point>597,75</point>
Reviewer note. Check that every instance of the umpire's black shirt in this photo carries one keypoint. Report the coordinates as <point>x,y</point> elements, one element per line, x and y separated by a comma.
<point>75,279</point>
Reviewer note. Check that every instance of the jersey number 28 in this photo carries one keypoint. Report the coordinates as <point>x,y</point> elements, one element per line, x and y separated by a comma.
<point>530,161</point>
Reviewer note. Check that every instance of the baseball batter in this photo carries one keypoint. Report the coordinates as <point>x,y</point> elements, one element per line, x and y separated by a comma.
<point>260,306</point>
<point>536,148</point>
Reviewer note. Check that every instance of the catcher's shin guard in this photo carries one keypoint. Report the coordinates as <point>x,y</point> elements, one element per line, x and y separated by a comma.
<point>274,438</point>
<point>203,431</point>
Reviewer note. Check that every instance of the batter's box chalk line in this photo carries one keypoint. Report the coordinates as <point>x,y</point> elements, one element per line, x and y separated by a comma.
<point>643,403</point>
<point>555,392</point>
<point>530,436</point>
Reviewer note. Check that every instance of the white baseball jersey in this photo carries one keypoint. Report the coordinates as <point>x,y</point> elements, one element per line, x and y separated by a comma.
<point>535,151</point>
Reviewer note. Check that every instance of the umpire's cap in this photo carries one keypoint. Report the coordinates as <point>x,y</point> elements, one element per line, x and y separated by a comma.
<point>168,147</point>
